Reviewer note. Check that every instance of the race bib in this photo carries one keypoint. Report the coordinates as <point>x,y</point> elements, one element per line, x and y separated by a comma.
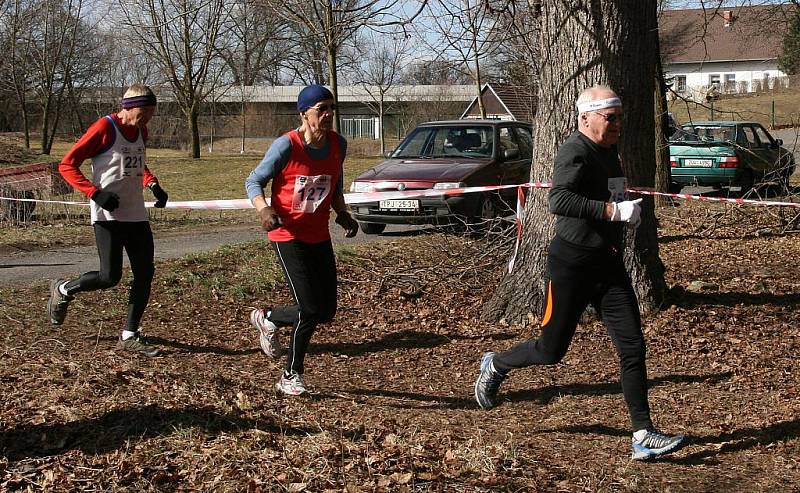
<point>309,192</point>
<point>132,161</point>
<point>617,187</point>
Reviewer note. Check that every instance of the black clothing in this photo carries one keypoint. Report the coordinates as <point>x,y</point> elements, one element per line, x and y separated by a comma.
<point>310,270</point>
<point>585,265</point>
<point>577,277</point>
<point>580,190</point>
<point>137,240</point>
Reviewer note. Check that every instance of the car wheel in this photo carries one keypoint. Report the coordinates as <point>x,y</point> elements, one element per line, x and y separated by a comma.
<point>485,214</point>
<point>372,228</point>
<point>675,187</point>
<point>746,182</point>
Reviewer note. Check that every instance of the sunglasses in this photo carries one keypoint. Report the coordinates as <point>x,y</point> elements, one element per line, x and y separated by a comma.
<point>324,108</point>
<point>611,117</point>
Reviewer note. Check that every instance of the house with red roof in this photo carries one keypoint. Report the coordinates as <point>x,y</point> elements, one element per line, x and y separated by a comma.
<point>725,50</point>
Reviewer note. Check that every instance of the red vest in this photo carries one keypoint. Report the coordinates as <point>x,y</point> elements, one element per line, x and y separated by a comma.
<point>303,191</point>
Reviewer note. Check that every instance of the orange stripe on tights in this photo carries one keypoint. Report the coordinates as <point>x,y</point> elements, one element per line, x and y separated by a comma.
<point>548,311</point>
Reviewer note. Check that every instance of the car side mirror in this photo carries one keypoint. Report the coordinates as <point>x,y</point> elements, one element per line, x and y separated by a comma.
<point>778,142</point>
<point>510,154</point>
<point>388,153</point>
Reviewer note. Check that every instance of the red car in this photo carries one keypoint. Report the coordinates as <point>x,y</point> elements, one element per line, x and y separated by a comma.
<point>445,155</point>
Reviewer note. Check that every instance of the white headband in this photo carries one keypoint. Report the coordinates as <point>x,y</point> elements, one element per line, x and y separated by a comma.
<point>599,104</point>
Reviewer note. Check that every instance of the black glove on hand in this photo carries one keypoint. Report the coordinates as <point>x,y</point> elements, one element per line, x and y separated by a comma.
<point>269,219</point>
<point>107,200</point>
<point>346,221</point>
<point>160,195</point>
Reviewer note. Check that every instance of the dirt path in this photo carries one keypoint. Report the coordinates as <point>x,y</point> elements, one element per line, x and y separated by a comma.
<point>23,268</point>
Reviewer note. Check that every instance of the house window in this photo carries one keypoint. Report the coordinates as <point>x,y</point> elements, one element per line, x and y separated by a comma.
<point>730,83</point>
<point>680,83</point>
<point>713,80</point>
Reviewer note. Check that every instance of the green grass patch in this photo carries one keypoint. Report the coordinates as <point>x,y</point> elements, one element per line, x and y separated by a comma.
<point>746,107</point>
<point>214,176</point>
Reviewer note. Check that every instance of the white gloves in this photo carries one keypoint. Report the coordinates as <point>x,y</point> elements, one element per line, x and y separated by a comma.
<point>628,211</point>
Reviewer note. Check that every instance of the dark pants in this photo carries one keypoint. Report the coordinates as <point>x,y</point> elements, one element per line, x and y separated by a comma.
<point>578,277</point>
<point>310,270</point>
<point>137,240</point>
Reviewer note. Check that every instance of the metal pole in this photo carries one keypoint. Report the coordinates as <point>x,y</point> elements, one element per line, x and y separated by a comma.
<point>773,114</point>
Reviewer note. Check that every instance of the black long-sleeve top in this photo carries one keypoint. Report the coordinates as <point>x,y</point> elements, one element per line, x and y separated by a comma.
<point>585,177</point>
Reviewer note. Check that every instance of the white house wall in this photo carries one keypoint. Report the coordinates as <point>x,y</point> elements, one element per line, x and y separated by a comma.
<point>698,75</point>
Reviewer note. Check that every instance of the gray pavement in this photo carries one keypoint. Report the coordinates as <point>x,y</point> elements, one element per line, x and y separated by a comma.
<point>23,268</point>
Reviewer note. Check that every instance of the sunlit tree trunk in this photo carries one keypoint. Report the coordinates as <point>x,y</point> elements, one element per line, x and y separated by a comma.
<point>585,43</point>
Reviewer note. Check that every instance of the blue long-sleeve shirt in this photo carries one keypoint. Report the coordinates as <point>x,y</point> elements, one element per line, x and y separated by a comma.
<point>275,160</point>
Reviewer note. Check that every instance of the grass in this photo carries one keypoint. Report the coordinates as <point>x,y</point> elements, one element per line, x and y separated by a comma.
<point>213,176</point>
<point>750,107</point>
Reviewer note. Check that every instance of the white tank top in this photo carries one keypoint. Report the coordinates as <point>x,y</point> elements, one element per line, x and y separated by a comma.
<point>120,170</point>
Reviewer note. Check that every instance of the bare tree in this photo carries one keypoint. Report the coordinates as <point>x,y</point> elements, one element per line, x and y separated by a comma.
<point>380,71</point>
<point>18,47</point>
<point>605,41</point>
<point>255,46</point>
<point>181,38</point>
<point>330,24</point>
<point>467,31</point>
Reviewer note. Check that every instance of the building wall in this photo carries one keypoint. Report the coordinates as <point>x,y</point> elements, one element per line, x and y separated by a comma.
<point>694,79</point>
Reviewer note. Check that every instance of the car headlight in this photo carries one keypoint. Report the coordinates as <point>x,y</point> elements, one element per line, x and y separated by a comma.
<point>361,187</point>
<point>446,185</point>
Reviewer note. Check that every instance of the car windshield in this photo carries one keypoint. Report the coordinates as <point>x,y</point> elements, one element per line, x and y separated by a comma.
<point>456,141</point>
<point>705,133</point>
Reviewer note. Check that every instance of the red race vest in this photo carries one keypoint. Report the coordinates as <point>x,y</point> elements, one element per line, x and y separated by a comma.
<point>303,191</point>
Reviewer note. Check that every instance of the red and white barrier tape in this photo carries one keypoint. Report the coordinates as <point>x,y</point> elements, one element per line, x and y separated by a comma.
<point>365,197</point>
<point>520,210</point>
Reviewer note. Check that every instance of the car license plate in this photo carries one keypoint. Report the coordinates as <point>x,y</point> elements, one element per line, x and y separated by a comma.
<point>698,163</point>
<point>399,205</point>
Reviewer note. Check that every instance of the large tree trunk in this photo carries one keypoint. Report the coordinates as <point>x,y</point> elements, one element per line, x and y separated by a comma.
<point>585,43</point>
<point>663,172</point>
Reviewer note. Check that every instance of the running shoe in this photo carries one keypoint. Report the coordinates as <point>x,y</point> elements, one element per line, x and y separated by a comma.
<point>653,443</point>
<point>488,383</point>
<point>267,333</point>
<point>58,303</point>
<point>291,384</point>
<point>137,344</point>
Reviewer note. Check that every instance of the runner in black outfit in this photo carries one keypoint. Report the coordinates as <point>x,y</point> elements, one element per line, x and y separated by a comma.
<point>585,266</point>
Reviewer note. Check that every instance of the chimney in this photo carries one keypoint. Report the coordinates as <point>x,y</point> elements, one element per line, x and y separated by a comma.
<point>727,17</point>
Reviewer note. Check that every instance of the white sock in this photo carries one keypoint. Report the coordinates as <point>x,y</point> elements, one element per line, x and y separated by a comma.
<point>639,435</point>
<point>63,289</point>
<point>127,334</point>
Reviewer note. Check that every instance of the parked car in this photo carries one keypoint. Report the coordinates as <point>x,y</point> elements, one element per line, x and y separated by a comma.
<point>737,155</point>
<point>445,155</point>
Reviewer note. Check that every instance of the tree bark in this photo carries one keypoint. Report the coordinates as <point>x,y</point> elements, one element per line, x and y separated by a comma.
<point>583,43</point>
<point>194,113</point>
<point>663,172</point>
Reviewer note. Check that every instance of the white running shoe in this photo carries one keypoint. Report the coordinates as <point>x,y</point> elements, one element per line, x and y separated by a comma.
<point>291,385</point>
<point>267,332</point>
<point>652,443</point>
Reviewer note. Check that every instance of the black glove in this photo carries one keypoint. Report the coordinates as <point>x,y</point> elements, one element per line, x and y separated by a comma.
<point>350,225</point>
<point>107,200</point>
<point>160,195</point>
<point>269,219</point>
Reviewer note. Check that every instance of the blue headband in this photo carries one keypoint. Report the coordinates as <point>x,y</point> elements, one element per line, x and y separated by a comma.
<point>312,95</point>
